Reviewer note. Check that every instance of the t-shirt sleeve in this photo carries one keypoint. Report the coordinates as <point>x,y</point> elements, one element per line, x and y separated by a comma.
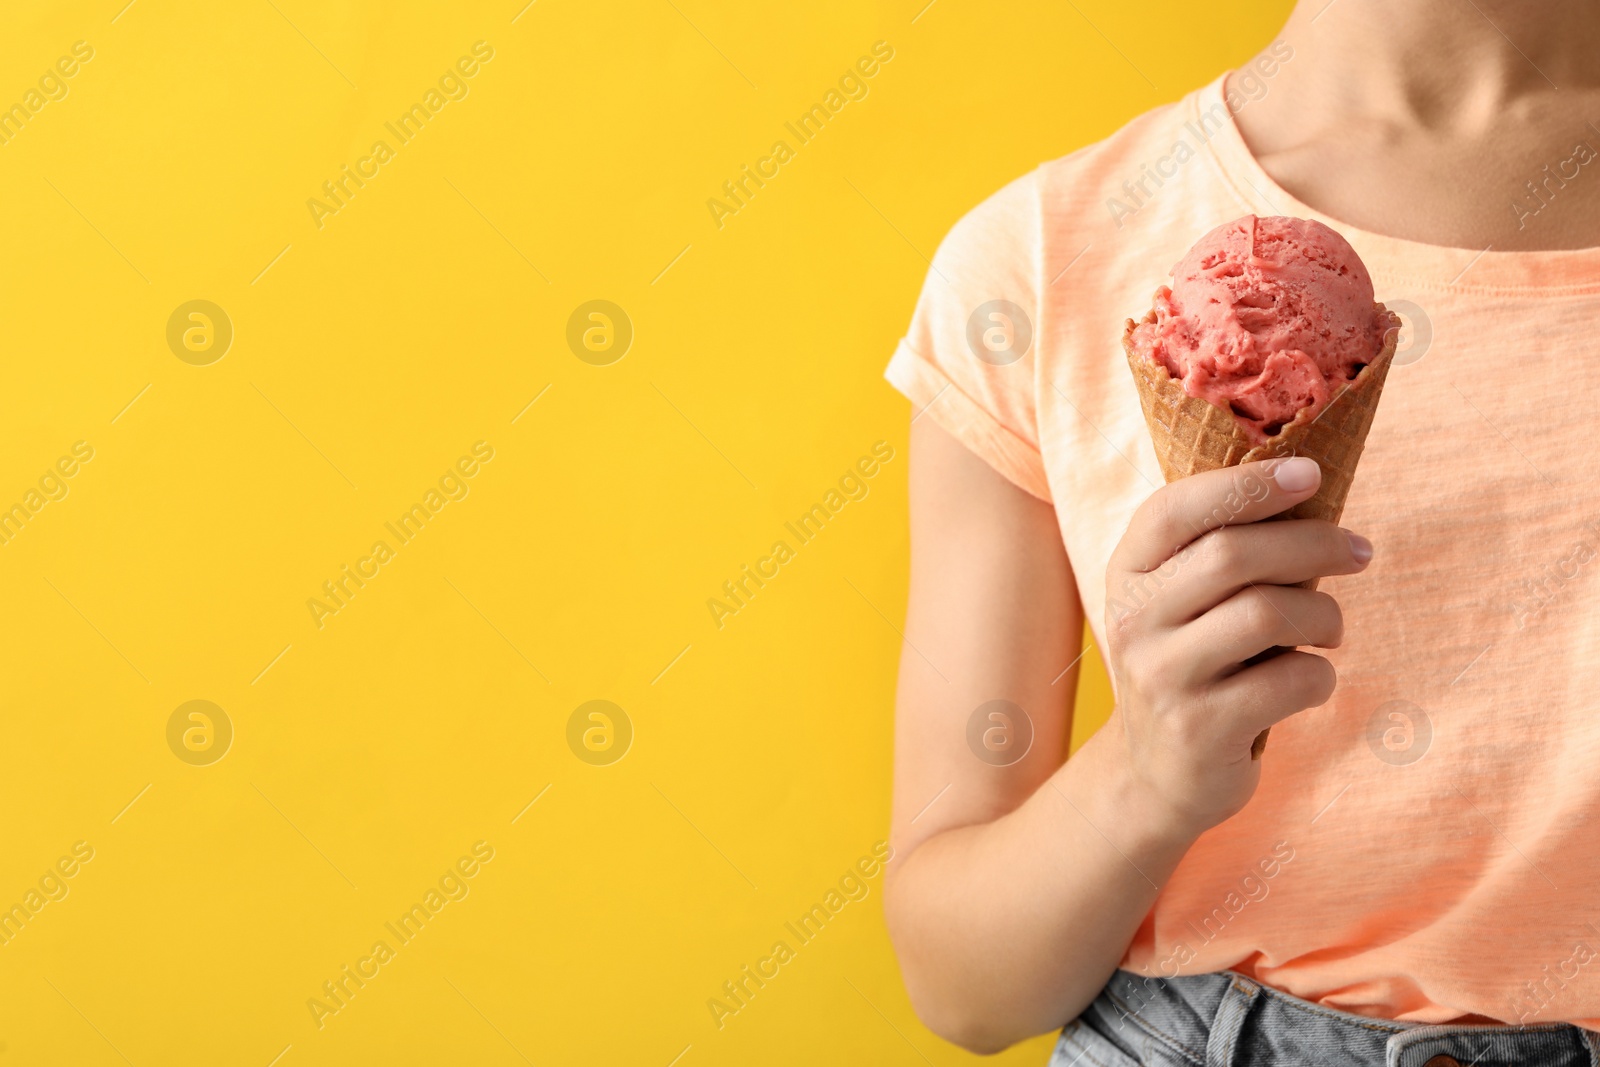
<point>967,361</point>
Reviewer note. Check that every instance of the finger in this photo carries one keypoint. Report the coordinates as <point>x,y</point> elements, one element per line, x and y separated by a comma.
<point>1256,619</point>
<point>1218,565</point>
<point>1177,514</point>
<point>1269,692</point>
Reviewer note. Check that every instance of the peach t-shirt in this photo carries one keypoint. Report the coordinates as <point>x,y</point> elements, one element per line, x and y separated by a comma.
<point>1424,847</point>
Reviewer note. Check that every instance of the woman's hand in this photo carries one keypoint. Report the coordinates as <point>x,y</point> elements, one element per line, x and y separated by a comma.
<point>1196,588</point>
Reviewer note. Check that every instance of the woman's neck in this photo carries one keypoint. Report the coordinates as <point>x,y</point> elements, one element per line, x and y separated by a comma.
<point>1426,119</point>
<point>1444,62</point>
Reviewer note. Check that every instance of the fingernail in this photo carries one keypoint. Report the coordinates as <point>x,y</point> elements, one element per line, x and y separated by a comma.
<point>1297,475</point>
<point>1360,547</point>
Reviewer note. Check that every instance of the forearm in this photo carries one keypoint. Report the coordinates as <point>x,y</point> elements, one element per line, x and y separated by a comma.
<point>1010,928</point>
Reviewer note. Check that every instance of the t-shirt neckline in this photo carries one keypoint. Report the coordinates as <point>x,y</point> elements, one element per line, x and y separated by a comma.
<point>1394,260</point>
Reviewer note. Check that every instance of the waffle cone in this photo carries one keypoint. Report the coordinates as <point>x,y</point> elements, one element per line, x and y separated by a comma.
<point>1193,435</point>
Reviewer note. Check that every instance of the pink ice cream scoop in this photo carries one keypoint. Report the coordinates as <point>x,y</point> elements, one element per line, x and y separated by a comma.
<point>1265,317</point>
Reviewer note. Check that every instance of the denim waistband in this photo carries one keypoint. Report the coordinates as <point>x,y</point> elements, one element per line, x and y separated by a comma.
<point>1228,1020</point>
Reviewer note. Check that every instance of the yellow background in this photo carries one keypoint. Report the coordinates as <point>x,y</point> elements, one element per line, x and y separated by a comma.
<point>367,357</point>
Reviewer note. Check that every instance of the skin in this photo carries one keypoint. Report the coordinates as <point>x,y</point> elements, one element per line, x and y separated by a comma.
<point>1420,120</point>
<point>1016,890</point>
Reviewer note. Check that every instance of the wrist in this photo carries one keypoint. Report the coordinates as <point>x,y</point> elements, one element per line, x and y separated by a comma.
<point>1127,809</point>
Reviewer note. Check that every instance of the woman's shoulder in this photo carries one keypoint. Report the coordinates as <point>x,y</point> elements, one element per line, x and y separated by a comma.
<point>1016,237</point>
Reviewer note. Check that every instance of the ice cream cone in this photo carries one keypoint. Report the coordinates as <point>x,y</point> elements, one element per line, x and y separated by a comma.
<point>1193,435</point>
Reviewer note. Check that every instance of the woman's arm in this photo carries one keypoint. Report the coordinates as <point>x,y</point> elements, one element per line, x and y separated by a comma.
<point>1008,908</point>
<point>1016,890</point>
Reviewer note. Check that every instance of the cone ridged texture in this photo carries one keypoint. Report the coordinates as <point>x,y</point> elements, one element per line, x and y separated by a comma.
<point>1192,435</point>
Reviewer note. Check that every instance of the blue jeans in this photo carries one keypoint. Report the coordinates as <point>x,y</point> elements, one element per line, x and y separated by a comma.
<point>1227,1020</point>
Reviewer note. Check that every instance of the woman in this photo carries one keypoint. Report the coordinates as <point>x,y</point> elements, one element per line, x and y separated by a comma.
<point>1408,874</point>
